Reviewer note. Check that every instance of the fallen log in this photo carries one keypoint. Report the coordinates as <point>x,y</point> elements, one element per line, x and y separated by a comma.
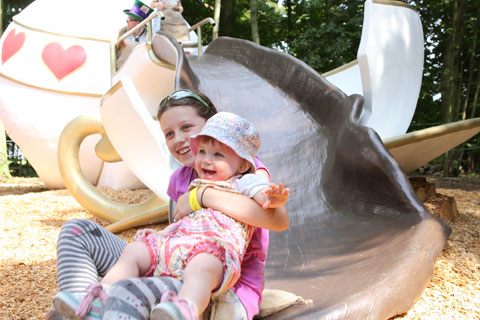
<point>424,189</point>
<point>443,206</point>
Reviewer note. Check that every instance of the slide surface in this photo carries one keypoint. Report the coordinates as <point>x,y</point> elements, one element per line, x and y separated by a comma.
<point>360,244</point>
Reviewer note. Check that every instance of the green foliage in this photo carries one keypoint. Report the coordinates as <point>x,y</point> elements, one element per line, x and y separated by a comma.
<point>325,34</point>
<point>11,8</point>
<point>269,23</point>
<point>451,73</point>
<point>21,168</point>
<point>4,170</point>
<point>17,164</point>
<point>195,11</point>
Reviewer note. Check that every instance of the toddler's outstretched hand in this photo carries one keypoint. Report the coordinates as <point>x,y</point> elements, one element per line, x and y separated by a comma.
<point>277,196</point>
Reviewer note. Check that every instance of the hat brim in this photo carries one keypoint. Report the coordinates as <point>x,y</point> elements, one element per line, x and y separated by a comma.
<point>194,140</point>
<point>133,15</point>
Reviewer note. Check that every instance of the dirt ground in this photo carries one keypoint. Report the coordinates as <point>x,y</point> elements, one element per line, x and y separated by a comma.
<point>31,217</point>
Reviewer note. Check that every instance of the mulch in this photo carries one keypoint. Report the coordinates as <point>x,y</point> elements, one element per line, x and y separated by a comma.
<point>32,216</point>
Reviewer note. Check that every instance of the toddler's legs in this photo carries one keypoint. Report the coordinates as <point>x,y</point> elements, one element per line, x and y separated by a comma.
<point>203,274</point>
<point>134,298</point>
<point>135,261</point>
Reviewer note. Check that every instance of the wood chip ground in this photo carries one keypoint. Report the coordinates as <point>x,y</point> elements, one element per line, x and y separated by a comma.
<point>31,217</point>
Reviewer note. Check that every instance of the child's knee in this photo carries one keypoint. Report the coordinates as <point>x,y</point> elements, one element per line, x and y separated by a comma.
<point>77,227</point>
<point>136,249</point>
<point>206,263</point>
<point>139,253</point>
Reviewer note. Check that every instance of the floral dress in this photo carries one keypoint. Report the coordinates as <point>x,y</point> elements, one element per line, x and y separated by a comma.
<point>206,231</point>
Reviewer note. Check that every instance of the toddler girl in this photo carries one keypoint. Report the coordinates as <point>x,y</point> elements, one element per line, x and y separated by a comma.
<point>205,248</point>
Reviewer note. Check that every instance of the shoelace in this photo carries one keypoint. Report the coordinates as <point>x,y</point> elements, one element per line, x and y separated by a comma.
<point>183,305</point>
<point>95,290</point>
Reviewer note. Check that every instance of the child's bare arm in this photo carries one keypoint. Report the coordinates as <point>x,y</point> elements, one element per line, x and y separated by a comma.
<point>272,197</point>
<point>241,207</point>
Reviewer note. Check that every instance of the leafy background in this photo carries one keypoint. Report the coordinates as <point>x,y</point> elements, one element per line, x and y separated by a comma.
<point>325,34</point>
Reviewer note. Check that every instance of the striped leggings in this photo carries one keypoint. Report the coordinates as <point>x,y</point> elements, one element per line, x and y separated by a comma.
<point>86,251</point>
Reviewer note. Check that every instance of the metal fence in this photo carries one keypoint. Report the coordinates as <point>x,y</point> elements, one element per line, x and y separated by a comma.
<point>17,163</point>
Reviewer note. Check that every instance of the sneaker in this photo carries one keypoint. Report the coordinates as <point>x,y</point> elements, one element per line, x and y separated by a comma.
<point>172,307</point>
<point>78,307</point>
<point>52,314</point>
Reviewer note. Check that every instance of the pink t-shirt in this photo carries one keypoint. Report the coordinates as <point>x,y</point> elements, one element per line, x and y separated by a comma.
<point>250,286</point>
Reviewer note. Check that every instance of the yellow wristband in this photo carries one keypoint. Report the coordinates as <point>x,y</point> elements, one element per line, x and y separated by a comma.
<point>192,198</point>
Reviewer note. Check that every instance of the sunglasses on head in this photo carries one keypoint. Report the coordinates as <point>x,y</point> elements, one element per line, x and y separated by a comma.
<point>181,94</point>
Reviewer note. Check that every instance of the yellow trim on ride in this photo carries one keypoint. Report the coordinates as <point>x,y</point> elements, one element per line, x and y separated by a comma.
<point>395,3</point>
<point>57,33</point>
<point>84,94</point>
<point>340,69</point>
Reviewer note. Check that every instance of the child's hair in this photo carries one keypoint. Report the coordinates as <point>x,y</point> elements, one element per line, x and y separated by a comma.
<point>185,97</point>
<point>208,139</point>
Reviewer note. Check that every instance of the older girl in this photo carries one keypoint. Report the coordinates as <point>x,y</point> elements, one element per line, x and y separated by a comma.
<point>86,251</point>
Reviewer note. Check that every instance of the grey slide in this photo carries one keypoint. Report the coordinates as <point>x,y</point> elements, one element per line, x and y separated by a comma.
<point>360,243</point>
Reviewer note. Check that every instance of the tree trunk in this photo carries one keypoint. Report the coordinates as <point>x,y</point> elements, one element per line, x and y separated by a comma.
<point>471,71</point>
<point>475,96</point>
<point>227,18</point>
<point>216,18</point>
<point>469,85</point>
<point>254,21</point>
<point>477,85</point>
<point>452,76</point>
<point>288,4</point>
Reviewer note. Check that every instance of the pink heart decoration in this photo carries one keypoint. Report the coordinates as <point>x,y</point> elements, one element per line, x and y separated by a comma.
<point>12,44</point>
<point>63,62</point>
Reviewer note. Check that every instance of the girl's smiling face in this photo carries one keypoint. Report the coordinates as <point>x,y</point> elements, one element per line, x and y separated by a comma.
<point>178,124</point>
<point>216,161</point>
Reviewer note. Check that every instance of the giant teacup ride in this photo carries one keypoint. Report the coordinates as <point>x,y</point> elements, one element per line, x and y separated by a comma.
<point>360,243</point>
<point>56,64</point>
<point>390,57</point>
